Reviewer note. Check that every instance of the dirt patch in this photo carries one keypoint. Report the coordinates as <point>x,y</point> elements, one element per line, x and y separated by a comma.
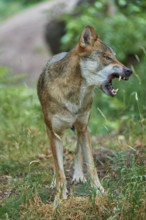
<point>72,208</point>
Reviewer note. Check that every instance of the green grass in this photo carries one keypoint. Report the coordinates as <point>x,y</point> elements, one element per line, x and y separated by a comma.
<point>26,163</point>
<point>8,8</point>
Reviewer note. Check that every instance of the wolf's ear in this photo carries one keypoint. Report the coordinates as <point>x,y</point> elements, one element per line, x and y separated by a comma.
<point>88,37</point>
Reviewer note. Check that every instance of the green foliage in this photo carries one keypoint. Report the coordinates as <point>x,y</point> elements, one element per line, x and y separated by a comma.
<point>11,7</point>
<point>126,34</point>
<point>8,8</point>
<point>22,2</point>
<point>124,31</point>
<point>25,2</point>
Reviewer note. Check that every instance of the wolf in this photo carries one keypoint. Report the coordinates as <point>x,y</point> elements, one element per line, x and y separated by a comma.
<point>65,90</point>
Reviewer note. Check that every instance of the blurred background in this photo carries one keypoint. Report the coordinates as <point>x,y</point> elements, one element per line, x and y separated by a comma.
<point>32,31</point>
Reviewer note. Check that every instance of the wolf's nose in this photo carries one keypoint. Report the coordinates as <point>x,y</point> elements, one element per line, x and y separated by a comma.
<point>128,71</point>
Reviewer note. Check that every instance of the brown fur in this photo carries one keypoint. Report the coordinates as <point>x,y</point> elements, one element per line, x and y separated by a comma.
<point>65,90</point>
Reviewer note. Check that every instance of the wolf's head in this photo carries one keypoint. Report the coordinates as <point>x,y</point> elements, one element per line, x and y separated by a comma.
<point>99,65</point>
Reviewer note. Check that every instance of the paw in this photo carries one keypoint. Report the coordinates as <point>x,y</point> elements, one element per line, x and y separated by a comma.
<point>78,178</point>
<point>57,202</point>
<point>62,191</point>
<point>98,187</point>
<point>61,195</point>
<point>100,190</point>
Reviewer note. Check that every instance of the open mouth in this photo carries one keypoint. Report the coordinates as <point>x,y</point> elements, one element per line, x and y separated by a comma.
<point>108,87</point>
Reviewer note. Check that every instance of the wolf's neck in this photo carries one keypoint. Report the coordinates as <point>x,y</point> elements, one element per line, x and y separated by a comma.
<point>86,92</point>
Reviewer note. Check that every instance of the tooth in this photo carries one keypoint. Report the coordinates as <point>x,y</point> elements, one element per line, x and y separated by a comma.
<point>120,77</point>
<point>114,91</point>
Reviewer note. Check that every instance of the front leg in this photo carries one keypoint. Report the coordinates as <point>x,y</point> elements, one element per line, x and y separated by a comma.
<point>84,141</point>
<point>78,175</point>
<point>57,151</point>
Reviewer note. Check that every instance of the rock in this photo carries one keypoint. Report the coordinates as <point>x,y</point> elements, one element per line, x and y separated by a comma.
<point>22,46</point>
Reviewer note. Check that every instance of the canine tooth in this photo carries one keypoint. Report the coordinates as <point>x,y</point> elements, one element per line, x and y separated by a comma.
<point>120,77</point>
<point>114,91</point>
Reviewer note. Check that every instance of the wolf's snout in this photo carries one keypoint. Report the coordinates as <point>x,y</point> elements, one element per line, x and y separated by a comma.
<point>127,71</point>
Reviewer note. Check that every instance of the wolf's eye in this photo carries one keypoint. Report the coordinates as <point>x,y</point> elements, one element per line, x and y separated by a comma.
<point>108,58</point>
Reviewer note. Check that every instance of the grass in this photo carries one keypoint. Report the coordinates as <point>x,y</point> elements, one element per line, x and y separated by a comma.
<point>26,164</point>
<point>11,7</point>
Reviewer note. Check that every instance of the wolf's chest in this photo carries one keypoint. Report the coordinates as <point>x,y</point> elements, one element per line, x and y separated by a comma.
<point>82,101</point>
<point>78,111</point>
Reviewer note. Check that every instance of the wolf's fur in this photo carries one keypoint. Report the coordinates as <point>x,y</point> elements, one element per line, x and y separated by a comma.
<point>65,90</point>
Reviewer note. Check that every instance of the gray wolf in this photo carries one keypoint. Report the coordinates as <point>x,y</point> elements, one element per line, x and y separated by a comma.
<point>65,91</point>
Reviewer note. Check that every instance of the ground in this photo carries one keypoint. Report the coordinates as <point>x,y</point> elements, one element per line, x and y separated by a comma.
<point>113,166</point>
